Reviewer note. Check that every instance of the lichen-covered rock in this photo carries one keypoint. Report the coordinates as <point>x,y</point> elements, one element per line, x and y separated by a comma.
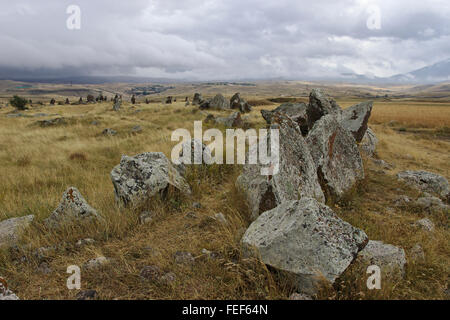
<point>232,121</point>
<point>319,105</point>
<point>432,205</point>
<point>296,176</point>
<point>426,224</point>
<point>369,143</point>
<point>428,182</point>
<point>11,229</point>
<point>296,111</point>
<point>390,259</point>
<point>356,118</point>
<point>143,176</point>
<point>72,208</point>
<point>304,238</point>
<point>219,102</point>
<point>336,156</point>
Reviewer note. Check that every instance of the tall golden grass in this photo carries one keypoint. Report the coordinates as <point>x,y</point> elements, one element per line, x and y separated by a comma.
<point>38,164</point>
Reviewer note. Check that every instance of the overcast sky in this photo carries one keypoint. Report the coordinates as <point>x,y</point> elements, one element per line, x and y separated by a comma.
<point>223,39</point>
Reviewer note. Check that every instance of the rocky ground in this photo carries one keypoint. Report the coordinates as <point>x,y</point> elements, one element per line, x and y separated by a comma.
<point>346,197</point>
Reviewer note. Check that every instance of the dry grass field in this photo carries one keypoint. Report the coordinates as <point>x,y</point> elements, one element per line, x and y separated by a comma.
<point>38,164</point>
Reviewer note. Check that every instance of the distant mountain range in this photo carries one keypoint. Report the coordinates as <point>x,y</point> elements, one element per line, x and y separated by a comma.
<point>436,73</point>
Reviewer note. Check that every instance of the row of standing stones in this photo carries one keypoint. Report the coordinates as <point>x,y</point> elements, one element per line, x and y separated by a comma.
<point>293,231</point>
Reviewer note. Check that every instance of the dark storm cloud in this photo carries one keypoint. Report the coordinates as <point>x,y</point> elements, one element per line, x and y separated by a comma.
<point>211,39</point>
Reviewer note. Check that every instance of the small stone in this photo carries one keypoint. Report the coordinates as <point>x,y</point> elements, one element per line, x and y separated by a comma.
<point>87,295</point>
<point>96,263</point>
<point>84,242</point>
<point>221,218</point>
<point>402,201</point>
<point>136,129</point>
<point>168,278</point>
<point>300,296</point>
<point>44,268</point>
<point>197,205</point>
<point>426,224</point>
<point>151,273</point>
<point>183,257</point>
<point>146,217</point>
<point>109,132</point>
<point>417,253</point>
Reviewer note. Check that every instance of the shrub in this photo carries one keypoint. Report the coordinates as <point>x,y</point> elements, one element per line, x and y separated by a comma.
<point>19,103</point>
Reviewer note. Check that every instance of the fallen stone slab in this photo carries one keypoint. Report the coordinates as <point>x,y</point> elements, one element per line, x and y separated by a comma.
<point>305,239</point>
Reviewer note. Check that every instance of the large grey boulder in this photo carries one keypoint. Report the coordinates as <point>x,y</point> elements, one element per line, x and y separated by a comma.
<point>143,176</point>
<point>306,239</point>
<point>356,118</point>
<point>11,229</point>
<point>336,156</point>
<point>236,102</point>
<point>427,182</point>
<point>390,259</point>
<point>296,111</point>
<point>295,179</point>
<point>319,105</point>
<point>369,143</point>
<point>219,102</point>
<point>72,208</point>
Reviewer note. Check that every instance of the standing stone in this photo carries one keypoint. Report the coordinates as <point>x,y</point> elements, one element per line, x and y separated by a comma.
<point>295,179</point>
<point>219,102</point>
<point>72,208</point>
<point>169,100</point>
<point>117,104</point>
<point>427,182</point>
<point>143,176</point>
<point>197,99</point>
<point>306,239</point>
<point>11,229</point>
<point>133,99</point>
<point>356,118</point>
<point>336,156</point>
<point>236,102</point>
<point>319,105</point>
